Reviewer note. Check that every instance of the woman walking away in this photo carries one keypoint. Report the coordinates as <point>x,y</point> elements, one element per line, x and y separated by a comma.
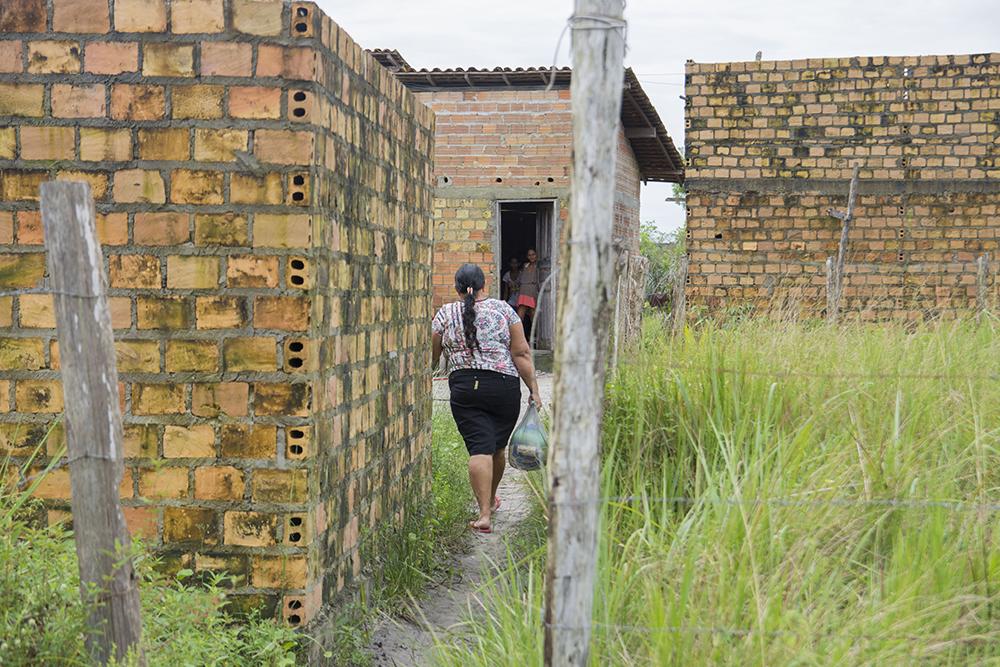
<point>486,351</point>
<point>527,300</point>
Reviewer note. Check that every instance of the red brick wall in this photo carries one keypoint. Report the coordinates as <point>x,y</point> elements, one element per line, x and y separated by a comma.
<point>264,198</point>
<point>771,147</point>
<point>627,221</point>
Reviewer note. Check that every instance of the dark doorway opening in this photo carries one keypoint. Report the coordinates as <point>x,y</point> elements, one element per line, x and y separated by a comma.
<point>528,225</point>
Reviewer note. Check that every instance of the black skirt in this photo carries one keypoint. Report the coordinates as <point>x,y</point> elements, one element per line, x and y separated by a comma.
<point>485,405</point>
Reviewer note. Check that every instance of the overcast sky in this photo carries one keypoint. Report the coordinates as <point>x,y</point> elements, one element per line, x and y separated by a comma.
<point>665,33</point>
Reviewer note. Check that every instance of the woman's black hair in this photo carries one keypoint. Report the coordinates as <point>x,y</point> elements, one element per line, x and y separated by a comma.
<point>469,279</point>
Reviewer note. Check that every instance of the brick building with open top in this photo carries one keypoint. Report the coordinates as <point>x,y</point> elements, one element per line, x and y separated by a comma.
<point>502,159</point>
<point>264,199</point>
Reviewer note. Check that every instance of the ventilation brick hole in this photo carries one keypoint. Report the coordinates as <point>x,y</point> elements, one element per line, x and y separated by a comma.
<point>901,257</point>
<point>297,272</point>
<point>296,346</point>
<point>297,190</point>
<point>688,280</point>
<point>906,129</point>
<point>538,182</point>
<point>302,12</point>
<point>295,537</point>
<point>296,449</point>
<point>551,180</point>
<point>718,235</point>
<point>298,196</point>
<point>299,179</point>
<point>902,232</point>
<point>295,521</point>
<point>687,234</point>
<point>295,604</point>
<point>904,162</point>
<point>295,362</point>
<point>447,180</point>
<point>294,619</point>
<point>902,210</point>
<point>298,281</point>
<point>298,112</point>
<point>499,180</point>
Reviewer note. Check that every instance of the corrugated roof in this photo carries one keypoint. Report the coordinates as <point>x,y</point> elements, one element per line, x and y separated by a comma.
<point>654,150</point>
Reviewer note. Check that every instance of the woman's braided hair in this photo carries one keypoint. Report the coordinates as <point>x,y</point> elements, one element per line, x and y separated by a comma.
<point>469,279</point>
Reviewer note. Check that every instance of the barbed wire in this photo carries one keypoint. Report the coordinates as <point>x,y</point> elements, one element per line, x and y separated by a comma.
<point>892,503</point>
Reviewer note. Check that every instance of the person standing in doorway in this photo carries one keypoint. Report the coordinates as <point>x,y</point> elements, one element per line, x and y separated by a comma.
<point>527,300</point>
<point>483,341</point>
<point>512,282</point>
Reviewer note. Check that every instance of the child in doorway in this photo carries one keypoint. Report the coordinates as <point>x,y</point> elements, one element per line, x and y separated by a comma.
<point>527,299</point>
<point>512,282</point>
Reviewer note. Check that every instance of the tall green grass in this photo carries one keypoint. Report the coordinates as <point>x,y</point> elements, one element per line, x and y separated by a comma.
<point>821,467</point>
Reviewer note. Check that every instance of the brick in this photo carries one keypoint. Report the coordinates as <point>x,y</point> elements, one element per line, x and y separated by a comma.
<point>167,144</point>
<point>98,181</point>
<point>111,57</point>
<point>23,16</point>
<point>138,356</point>
<point>21,354</point>
<point>218,483</point>
<point>257,17</point>
<point>140,441</point>
<point>8,143</point>
<point>196,187</point>
<point>85,101</point>
<point>262,190</point>
<point>283,146</point>
<point>192,272</point>
<point>29,228</point>
<point>134,271</point>
<point>254,102</point>
<point>6,227</point>
<point>183,525</point>
<point>250,271</point>
<point>197,16</point>
<point>37,311</point>
<point>201,102</point>
<point>48,143</point>
<point>142,521</point>
<point>140,15</point>
<point>248,442</point>
<point>167,59</point>
<point>22,185</point>
<point>250,529</point>
<point>286,399</point>
<point>219,145</point>
<point>137,102</point>
<point>112,228</point>
<point>121,312</point>
<point>280,486</point>
<point>54,486</point>
<point>162,313</point>
<point>22,270</point>
<point>139,186</point>
<point>224,229</point>
<point>235,567</point>
<point>220,312</point>
<point>192,356</point>
<point>100,145</point>
<point>22,99</point>
<point>10,57</point>
<point>279,572</point>
<point>80,16</point>
<point>285,62</point>
<point>159,229</point>
<point>190,442</point>
<point>164,484</point>
<point>52,57</point>
<point>38,396</point>
<point>225,398</point>
<point>157,399</point>
<point>288,313</point>
<point>250,354</point>
<point>281,231</point>
<point>226,59</point>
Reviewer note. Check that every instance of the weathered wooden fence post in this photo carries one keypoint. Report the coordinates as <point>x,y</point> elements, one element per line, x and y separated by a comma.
<point>582,335</point>
<point>93,420</point>
<point>982,282</point>
<point>680,295</point>
<point>833,296</point>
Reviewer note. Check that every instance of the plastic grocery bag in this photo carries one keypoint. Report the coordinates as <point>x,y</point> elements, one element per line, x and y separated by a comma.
<point>528,444</point>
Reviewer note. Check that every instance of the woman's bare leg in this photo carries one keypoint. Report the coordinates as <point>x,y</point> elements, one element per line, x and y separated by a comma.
<point>499,464</point>
<point>481,479</point>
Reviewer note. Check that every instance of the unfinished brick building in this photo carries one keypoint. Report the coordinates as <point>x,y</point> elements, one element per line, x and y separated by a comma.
<point>265,197</point>
<point>503,151</point>
<point>771,146</point>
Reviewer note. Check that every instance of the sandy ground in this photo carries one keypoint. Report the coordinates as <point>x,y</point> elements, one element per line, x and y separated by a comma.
<point>408,638</point>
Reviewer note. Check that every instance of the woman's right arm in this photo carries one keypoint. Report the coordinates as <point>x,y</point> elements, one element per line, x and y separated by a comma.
<point>521,354</point>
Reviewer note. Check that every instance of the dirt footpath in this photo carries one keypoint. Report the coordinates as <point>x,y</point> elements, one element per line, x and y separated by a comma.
<point>409,639</point>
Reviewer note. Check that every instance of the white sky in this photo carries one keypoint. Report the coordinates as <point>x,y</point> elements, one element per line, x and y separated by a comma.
<point>663,34</point>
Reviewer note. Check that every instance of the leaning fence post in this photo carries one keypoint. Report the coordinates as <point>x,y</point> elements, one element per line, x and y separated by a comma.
<point>680,295</point>
<point>108,582</point>
<point>846,217</point>
<point>831,291</point>
<point>982,279</point>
